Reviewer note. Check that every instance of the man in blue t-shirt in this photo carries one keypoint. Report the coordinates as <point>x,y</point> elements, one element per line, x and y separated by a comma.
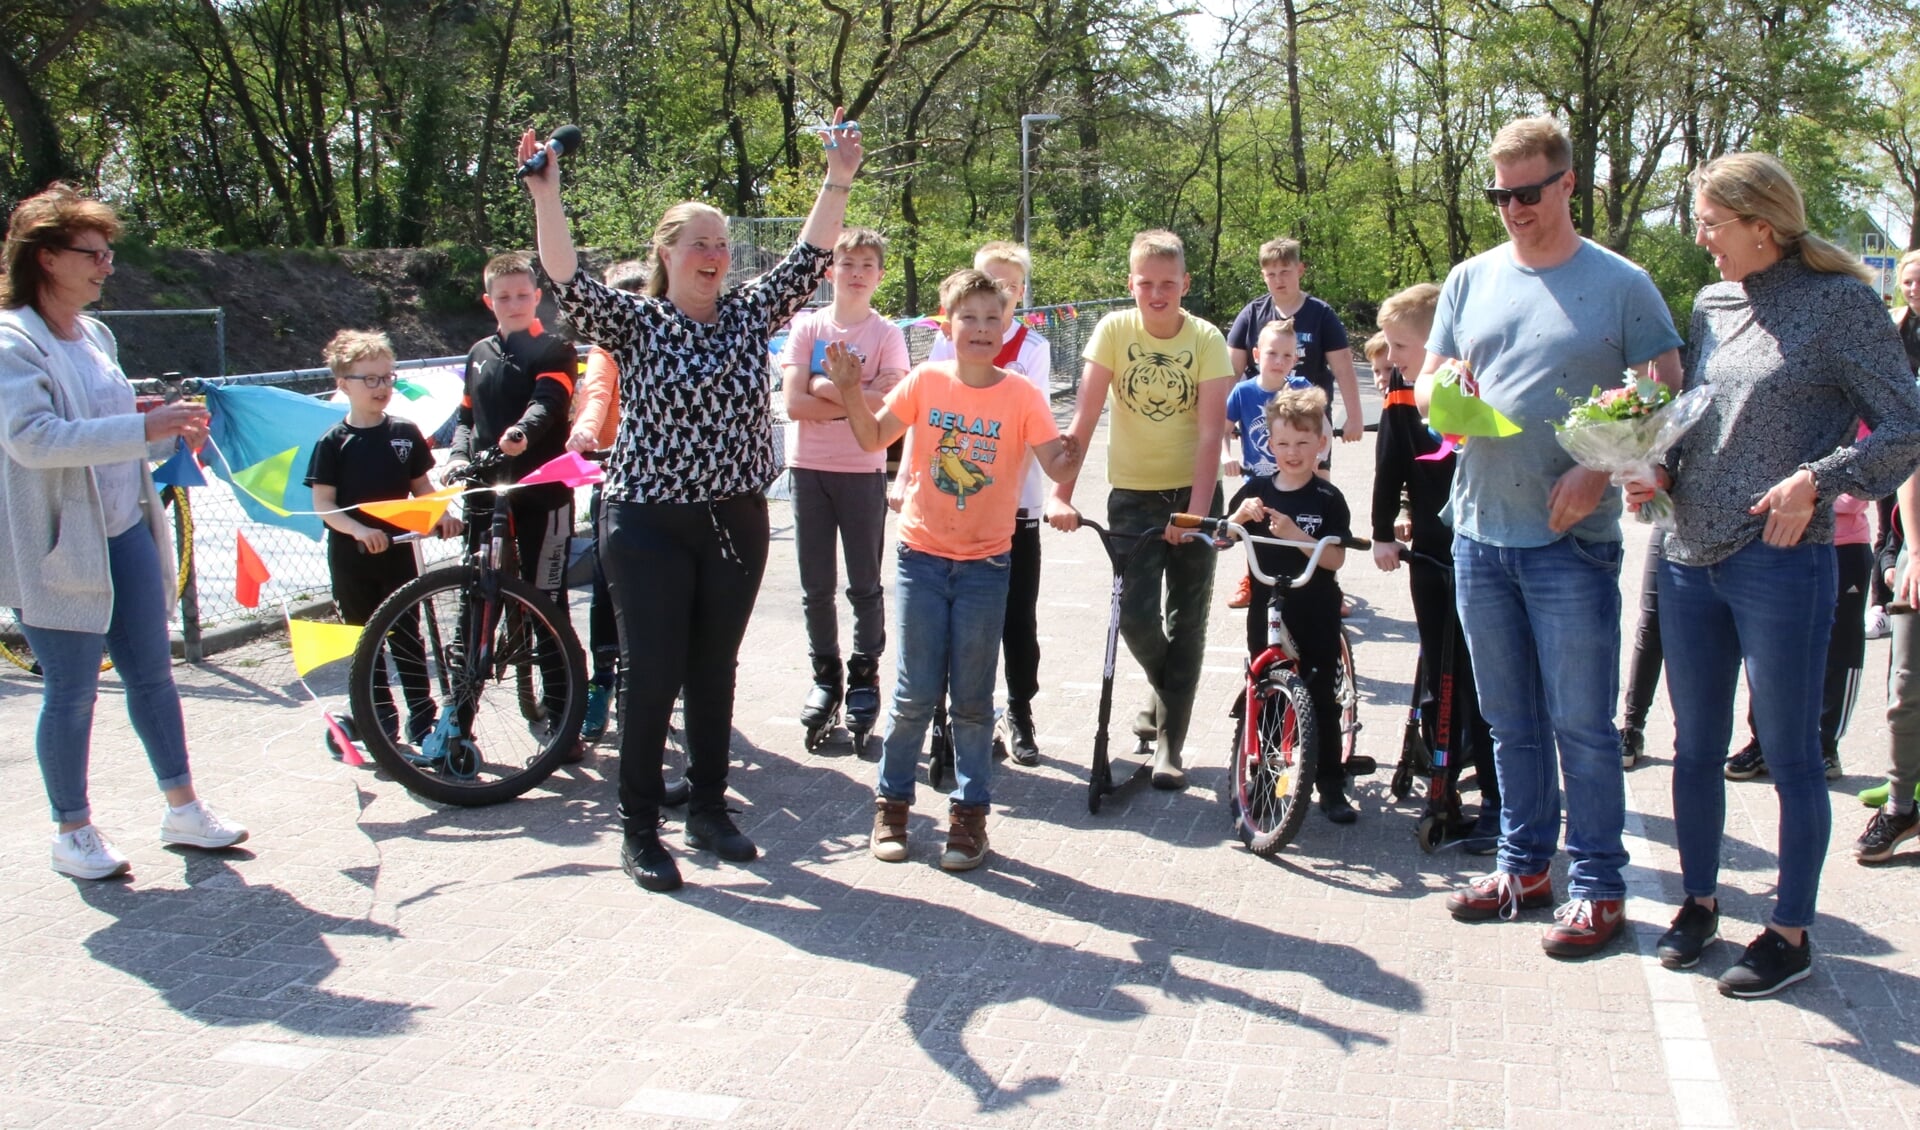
<point>1538,321</point>
<point>1326,357</point>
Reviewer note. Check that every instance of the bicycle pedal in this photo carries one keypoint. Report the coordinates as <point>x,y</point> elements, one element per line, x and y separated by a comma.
<point>1361,765</point>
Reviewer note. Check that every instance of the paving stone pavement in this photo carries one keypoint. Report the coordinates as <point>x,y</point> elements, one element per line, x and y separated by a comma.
<point>368,960</point>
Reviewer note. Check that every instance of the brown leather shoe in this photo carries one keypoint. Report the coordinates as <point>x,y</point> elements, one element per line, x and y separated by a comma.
<point>966,837</point>
<point>889,840</point>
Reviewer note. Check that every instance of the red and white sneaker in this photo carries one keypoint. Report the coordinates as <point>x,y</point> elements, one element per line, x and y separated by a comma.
<point>1500,894</point>
<point>1583,926</point>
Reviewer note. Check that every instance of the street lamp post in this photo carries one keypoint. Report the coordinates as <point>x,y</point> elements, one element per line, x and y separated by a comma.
<point>1026,185</point>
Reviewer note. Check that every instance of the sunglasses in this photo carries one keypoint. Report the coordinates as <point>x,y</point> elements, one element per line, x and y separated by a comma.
<point>100,258</point>
<point>1528,194</point>
<point>376,380</point>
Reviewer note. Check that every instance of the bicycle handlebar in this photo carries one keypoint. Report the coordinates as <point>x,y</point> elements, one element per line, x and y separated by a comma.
<point>1213,528</point>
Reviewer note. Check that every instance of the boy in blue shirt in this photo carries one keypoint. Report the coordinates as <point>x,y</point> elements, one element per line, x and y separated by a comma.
<point>1246,415</point>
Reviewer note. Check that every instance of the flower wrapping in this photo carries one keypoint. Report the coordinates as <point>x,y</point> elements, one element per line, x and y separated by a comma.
<point>1626,431</point>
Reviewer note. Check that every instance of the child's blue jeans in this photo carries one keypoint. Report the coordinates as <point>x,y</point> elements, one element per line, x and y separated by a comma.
<point>948,616</point>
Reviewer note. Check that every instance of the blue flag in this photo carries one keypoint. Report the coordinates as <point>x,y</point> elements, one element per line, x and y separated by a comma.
<point>256,426</point>
<point>179,470</point>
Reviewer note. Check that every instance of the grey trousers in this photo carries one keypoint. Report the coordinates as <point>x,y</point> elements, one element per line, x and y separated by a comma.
<point>1903,697</point>
<point>846,510</point>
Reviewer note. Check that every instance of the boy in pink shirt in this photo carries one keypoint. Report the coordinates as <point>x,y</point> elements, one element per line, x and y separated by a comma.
<point>973,425</point>
<point>840,490</point>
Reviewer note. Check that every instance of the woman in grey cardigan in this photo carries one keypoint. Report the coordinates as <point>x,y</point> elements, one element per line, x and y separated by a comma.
<point>1798,351</point>
<point>85,555</point>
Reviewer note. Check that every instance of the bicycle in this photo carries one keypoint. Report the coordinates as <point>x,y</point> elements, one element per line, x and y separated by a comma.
<point>511,681</point>
<point>1276,740</point>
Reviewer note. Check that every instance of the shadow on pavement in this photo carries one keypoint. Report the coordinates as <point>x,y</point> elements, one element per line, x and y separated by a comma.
<point>225,952</point>
<point>963,963</point>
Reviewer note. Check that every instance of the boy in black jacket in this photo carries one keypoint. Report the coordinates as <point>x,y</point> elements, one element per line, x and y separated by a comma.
<point>1403,462</point>
<point>519,388</point>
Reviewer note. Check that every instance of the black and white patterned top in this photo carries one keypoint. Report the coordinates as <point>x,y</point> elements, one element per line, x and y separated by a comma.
<point>1796,359</point>
<point>695,422</point>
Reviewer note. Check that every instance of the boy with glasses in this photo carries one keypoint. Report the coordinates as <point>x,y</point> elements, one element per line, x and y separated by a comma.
<point>373,457</point>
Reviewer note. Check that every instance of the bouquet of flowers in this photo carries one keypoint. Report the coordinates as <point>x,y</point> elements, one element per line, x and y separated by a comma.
<point>1625,431</point>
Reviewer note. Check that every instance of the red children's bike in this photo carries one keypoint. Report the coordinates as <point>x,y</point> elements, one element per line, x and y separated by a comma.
<point>1276,741</point>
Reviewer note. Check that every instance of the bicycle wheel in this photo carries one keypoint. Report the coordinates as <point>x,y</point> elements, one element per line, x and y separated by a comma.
<point>1346,701</point>
<point>483,748</point>
<point>1272,782</point>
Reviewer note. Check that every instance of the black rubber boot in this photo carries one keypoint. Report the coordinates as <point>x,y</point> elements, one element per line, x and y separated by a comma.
<point>863,693</point>
<point>823,701</point>
<point>1018,720</point>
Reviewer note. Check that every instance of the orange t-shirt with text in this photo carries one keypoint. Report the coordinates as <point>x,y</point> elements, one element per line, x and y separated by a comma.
<point>969,450</point>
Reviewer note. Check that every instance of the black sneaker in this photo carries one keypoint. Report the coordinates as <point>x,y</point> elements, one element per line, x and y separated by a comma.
<point>1680,947</point>
<point>1770,964</point>
<point>1747,764</point>
<point>1485,837</point>
<point>1632,745</point>
<point>1884,833</point>
<point>1832,763</point>
<point>713,830</point>
<point>1338,808</point>
<point>646,861</point>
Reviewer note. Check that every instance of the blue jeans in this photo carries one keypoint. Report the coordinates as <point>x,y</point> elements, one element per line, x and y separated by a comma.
<point>949,644</point>
<point>142,652</point>
<point>1771,609</point>
<point>1543,628</point>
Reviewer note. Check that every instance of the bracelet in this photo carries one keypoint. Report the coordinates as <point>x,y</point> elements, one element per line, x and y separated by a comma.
<point>829,186</point>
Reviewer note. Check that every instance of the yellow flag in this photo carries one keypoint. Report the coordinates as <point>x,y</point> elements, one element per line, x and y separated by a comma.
<point>267,480</point>
<point>316,644</point>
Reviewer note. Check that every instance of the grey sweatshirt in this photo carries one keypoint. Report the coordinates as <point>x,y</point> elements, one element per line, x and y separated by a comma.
<point>1796,360</point>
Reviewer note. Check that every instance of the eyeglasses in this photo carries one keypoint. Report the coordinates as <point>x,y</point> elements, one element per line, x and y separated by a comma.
<point>1722,223</point>
<point>373,380</point>
<point>101,258</point>
<point>1528,194</point>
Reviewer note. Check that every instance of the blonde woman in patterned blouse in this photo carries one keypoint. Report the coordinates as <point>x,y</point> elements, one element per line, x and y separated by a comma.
<point>684,529</point>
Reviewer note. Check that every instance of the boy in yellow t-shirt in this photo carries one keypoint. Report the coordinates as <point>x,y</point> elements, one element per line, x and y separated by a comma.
<point>973,424</point>
<point>1169,374</point>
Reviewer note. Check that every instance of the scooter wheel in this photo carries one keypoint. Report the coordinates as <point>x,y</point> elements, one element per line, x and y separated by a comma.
<point>1402,784</point>
<point>1429,832</point>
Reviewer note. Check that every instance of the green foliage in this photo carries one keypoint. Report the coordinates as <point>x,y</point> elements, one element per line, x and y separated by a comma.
<point>1359,129</point>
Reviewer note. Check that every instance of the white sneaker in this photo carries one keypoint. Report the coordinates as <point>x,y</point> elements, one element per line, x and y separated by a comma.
<point>1877,627</point>
<point>85,854</point>
<point>196,825</point>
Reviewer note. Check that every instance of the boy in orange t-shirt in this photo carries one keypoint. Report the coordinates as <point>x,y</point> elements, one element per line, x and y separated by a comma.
<point>974,424</point>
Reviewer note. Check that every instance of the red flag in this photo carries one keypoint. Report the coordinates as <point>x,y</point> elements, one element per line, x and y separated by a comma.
<point>249,574</point>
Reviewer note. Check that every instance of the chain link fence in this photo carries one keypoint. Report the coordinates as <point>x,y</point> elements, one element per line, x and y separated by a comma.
<point>153,342</point>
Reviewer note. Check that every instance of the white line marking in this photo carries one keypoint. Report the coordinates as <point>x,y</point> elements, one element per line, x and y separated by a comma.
<point>682,1104</point>
<point>1693,1074</point>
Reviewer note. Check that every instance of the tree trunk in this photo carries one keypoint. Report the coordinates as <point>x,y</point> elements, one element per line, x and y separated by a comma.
<point>263,147</point>
<point>36,134</point>
<point>481,231</point>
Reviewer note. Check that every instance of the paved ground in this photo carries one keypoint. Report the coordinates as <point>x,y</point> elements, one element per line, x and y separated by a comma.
<point>369,960</point>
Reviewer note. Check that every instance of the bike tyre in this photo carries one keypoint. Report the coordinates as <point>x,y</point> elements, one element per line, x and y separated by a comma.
<point>534,611</point>
<point>1272,784</point>
<point>1346,700</point>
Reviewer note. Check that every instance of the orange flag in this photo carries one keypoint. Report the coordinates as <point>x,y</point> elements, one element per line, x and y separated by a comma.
<point>249,574</point>
<point>415,514</point>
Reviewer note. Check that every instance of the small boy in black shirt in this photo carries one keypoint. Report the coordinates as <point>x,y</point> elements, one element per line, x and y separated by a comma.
<point>373,457</point>
<point>1297,505</point>
<point>519,387</point>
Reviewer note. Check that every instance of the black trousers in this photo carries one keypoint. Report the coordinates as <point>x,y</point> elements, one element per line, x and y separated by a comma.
<point>1643,672</point>
<point>1435,615</point>
<point>684,578</point>
<point>1020,638</point>
<point>361,581</point>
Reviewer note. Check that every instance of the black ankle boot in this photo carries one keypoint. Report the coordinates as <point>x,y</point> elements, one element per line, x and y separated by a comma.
<point>646,861</point>
<point>712,829</point>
